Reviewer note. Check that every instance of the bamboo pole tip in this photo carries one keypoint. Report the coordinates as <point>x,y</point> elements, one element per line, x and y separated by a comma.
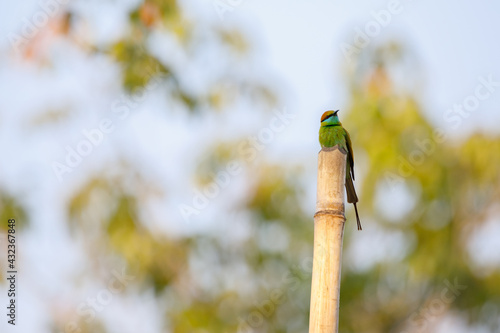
<point>336,147</point>
<point>331,181</point>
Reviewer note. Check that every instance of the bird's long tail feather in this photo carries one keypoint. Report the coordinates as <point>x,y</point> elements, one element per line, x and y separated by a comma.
<point>352,197</point>
<point>357,216</point>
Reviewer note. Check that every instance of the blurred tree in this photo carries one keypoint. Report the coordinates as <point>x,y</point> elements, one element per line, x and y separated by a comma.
<point>452,187</point>
<point>10,208</point>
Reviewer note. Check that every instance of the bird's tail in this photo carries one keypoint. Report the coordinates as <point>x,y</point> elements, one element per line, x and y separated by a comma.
<point>352,197</point>
<point>357,216</point>
<point>351,191</point>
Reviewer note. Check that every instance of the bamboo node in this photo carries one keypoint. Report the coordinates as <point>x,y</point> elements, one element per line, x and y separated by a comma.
<point>332,212</point>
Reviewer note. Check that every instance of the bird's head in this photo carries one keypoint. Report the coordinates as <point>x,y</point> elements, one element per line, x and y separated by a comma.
<point>330,118</point>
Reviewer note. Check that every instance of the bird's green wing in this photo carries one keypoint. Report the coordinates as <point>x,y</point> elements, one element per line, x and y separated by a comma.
<point>350,156</point>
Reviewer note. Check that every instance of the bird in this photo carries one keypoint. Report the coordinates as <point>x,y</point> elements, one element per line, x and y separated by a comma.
<point>331,133</point>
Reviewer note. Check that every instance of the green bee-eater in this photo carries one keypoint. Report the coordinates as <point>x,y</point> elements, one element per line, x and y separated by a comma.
<point>331,133</point>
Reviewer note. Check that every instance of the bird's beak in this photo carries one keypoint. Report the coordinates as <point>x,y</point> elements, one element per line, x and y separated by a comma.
<point>335,113</point>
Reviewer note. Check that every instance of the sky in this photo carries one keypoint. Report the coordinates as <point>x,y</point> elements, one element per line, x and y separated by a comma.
<point>454,45</point>
<point>299,42</point>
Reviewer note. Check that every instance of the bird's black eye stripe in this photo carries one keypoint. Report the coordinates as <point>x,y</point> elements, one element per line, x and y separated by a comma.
<point>328,117</point>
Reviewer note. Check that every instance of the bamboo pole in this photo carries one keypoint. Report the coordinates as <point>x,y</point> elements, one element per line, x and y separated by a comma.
<point>328,235</point>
